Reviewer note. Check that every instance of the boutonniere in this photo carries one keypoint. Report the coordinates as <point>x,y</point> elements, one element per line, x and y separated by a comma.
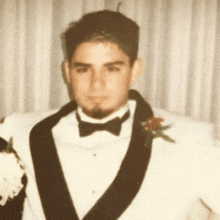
<point>11,173</point>
<point>154,125</point>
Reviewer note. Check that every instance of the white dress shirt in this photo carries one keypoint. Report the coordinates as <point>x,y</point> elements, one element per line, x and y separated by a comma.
<point>92,162</point>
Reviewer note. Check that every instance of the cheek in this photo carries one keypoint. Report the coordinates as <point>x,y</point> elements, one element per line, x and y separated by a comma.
<point>123,83</point>
<point>121,88</point>
<point>79,84</point>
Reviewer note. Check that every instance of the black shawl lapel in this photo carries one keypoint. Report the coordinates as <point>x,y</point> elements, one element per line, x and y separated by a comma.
<point>52,187</point>
<point>54,194</point>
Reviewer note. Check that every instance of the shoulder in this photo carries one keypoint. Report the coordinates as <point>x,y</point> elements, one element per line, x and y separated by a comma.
<point>18,123</point>
<point>187,130</point>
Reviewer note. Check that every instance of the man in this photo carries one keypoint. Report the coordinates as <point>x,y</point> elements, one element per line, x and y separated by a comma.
<point>98,157</point>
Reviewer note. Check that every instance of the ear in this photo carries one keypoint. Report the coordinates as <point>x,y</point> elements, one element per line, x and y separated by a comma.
<point>136,70</point>
<point>66,67</point>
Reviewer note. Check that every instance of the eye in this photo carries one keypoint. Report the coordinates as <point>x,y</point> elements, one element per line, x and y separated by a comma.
<point>113,69</point>
<point>82,69</point>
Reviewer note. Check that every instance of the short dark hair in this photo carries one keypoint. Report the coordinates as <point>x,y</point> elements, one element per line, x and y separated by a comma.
<point>103,26</point>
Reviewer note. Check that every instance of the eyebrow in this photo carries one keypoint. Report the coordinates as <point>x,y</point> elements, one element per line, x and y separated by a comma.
<point>114,63</point>
<point>81,64</point>
<point>78,64</point>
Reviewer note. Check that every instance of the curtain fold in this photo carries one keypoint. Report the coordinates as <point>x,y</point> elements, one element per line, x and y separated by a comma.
<point>179,44</point>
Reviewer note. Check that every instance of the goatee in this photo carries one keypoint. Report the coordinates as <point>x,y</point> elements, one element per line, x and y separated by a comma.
<point>97,113</point>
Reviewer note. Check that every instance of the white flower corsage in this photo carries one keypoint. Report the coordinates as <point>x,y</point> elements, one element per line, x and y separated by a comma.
<point>11,173</point>
<point>154,125</point>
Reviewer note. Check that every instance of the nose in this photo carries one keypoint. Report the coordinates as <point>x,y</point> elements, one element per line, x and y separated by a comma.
<point>98,79</point>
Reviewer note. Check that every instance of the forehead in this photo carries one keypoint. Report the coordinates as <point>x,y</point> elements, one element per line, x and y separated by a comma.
<point>99,52</point>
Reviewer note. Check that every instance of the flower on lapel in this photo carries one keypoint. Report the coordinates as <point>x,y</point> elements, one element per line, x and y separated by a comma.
<point>154,125</point>
<point>11,173</point>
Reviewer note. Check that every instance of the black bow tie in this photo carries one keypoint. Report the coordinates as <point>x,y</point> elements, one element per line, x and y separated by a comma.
<point>113,126</point>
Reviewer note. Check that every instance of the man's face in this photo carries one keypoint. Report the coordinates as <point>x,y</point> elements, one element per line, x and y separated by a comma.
<point>100,75</point>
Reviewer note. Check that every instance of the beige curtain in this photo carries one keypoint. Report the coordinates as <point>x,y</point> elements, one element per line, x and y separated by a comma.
<point>180,46</point>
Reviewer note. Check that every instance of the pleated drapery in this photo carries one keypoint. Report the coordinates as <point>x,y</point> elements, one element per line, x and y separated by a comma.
<point>179,44</point>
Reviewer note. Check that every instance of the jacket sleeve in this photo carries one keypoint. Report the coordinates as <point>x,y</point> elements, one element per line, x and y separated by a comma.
<point>210,178</point>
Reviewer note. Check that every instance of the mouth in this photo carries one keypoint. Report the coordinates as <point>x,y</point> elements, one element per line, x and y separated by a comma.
<point>97,98</point>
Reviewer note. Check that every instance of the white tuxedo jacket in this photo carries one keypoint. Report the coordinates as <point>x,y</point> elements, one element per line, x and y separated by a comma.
<point>181,181</point>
